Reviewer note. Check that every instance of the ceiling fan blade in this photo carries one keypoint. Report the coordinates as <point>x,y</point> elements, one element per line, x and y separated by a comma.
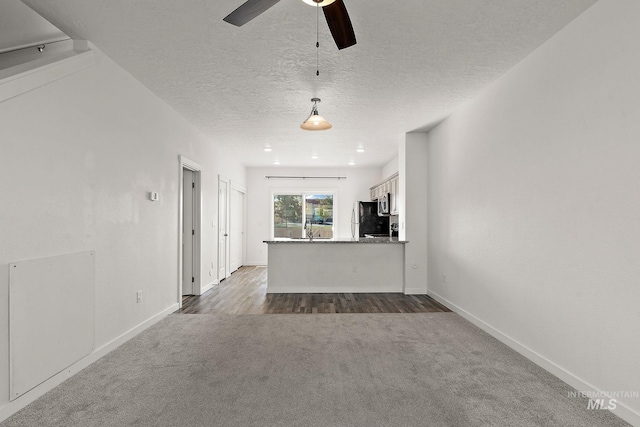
<point>340,24</point>
<point>248,10</point>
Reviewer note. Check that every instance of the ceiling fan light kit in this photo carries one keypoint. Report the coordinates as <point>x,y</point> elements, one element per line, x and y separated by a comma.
<point>335,12</point>
<point>315,121</point>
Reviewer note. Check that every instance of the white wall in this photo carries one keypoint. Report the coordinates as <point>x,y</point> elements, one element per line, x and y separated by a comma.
<point>354,187</point>
<point>77,159</point>
<point>412,203</point>
<point>391,167</point>
<point>534,204</point>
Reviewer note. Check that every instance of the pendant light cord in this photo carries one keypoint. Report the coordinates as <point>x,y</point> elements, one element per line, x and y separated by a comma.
<point>317,38</point>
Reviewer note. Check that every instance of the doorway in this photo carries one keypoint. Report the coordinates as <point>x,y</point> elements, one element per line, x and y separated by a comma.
<point>189,242</point>
<point>188,232</point>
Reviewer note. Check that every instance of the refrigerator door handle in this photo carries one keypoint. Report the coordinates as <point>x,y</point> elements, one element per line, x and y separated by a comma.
<point>353,223</point>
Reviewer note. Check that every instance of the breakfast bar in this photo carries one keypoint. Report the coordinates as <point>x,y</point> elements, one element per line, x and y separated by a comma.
<point>335,266</point>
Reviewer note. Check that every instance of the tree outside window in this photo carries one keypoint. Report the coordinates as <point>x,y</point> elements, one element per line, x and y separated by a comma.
<point>294,218</point>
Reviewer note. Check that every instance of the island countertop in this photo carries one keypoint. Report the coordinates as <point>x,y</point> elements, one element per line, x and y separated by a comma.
<point>340,240</point>
<point>342,265</point>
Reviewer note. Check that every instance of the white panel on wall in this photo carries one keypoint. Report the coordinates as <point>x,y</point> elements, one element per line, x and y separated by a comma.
<point>51,317</point>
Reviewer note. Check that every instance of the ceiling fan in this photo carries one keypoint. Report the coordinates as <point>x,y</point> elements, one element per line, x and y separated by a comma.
<point>334,11</point>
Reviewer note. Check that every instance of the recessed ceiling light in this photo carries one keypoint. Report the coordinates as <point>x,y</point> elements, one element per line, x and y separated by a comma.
<point>276,162</point>
<point>267,148</point>
<point>314,156</point>
<point>351,163</point>
<point>360,150</point>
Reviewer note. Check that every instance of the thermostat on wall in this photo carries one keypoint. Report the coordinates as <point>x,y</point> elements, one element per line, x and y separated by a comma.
<point>153,196</point>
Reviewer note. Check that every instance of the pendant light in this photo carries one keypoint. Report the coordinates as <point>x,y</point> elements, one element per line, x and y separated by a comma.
<point>321,3</point>
<point>315,121</point>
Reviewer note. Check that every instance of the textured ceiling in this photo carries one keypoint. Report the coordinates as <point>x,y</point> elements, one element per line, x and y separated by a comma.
<point>247,87</point>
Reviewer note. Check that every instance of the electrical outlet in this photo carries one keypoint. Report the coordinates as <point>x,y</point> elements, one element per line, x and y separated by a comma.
<point>139,296</point>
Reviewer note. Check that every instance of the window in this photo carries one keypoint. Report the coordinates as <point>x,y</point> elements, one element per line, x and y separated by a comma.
<point>297,216</point>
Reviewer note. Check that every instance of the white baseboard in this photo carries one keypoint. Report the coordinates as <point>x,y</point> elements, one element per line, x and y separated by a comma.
<point>35,393</point>
<point>621,410</point>
<point>328,290</point>
<point>254,264</point>
<point>205,288</point>
<point>415,291</point>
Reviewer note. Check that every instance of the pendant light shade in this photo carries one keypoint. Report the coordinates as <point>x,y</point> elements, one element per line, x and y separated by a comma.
<point>321,3</point>
<point>315,121</point>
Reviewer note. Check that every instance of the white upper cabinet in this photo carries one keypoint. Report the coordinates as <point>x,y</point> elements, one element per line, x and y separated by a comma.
<point>395,190</point>
<point>388,186</point>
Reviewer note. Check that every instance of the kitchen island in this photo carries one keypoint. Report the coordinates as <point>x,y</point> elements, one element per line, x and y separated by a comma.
<point>335,266</point>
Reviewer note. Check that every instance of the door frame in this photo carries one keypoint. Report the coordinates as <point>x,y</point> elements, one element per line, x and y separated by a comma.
<point>227,181</point>
<point>186,163</point>
<point>242,190</point>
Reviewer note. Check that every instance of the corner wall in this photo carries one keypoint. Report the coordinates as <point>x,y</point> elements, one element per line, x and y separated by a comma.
<point>78,157</point>
<point>413,210</point>
<point>534,205</point>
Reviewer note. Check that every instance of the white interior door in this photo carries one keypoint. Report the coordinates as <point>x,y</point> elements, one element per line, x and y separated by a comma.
<point>236,231</point>
<point>188,237</point>
<point>223,230</point>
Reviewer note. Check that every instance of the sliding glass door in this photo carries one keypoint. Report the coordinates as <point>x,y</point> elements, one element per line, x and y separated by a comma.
<point>298,216</point>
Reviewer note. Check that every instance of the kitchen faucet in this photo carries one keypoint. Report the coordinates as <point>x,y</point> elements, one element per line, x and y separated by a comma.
<point>309,230</point>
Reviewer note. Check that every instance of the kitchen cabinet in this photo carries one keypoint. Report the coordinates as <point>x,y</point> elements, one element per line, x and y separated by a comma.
<point>395,191</point>
<point>388,186</point>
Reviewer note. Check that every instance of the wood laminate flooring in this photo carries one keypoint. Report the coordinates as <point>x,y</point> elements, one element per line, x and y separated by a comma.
<point>245,292</point>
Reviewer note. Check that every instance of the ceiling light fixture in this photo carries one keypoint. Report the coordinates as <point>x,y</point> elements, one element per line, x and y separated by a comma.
<point>360,150</point>
<point>276,162</point>
<point>267,149</point>
<point>315,121</point>
<point>351,163</point>
<point>321,3</point>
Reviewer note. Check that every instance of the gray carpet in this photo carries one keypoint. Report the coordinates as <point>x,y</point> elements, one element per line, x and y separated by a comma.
<point>433,369</point>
